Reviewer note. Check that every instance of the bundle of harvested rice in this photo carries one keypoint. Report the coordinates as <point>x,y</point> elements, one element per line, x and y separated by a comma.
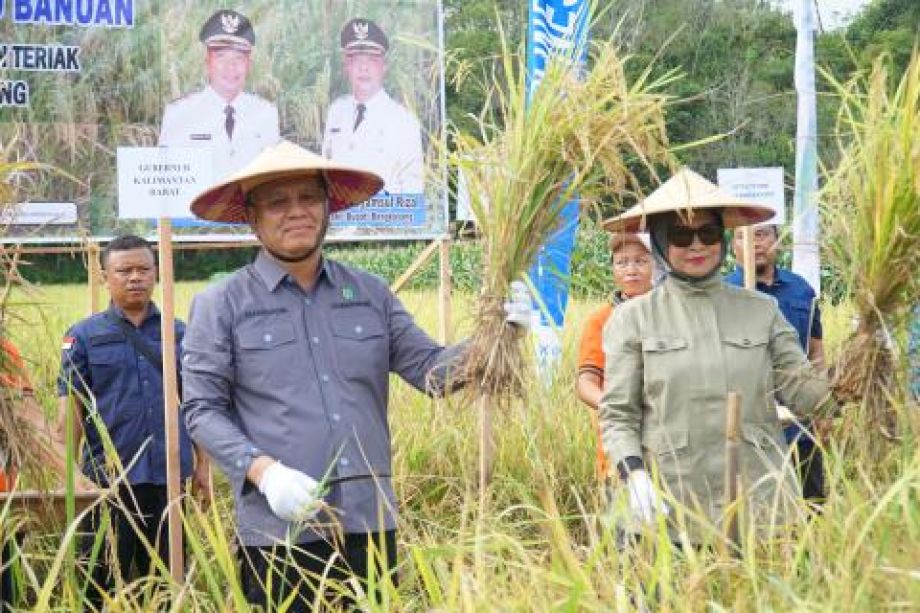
<point>872,210</point>
<point>582,133</point>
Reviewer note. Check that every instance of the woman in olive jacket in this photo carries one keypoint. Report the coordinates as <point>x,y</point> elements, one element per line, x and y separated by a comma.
<point>673,356</point>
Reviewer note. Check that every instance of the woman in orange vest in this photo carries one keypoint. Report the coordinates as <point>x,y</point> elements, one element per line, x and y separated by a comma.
<point>631,259</point>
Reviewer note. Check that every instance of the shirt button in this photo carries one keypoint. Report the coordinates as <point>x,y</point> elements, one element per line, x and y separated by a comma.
<point>315,340</point>
<point>309,301</point>
<point>358,329</point>
<point>661,344</point>
<point>746,342</point>
<point>344,461</point>
<point>325,378</point>
<point>336,417</point>
<point>146,382</point>
<point>267,338</point>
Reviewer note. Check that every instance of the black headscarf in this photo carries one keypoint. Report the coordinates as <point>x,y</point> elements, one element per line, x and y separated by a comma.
<point>658,226</point>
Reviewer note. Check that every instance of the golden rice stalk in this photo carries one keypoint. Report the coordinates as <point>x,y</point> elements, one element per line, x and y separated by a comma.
<point>583,135</point>
<point>20,439</point>
<point>872,206</point>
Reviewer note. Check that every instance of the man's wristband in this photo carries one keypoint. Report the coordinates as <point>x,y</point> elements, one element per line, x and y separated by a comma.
<point>629,464</point>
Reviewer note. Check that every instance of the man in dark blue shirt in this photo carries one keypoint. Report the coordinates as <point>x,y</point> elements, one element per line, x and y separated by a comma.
<point>799,305</point>
<point>111,377</point>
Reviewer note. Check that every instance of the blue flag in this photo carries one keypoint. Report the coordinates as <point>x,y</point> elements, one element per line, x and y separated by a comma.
<point>556,28</point>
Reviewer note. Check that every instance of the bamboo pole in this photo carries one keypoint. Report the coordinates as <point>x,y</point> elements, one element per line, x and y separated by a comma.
<point>444,292</point>
<point>732,466</point>
<point>94,274</point>
<point>170,402</point>
<point>750,272</point>
<point>414,267</point>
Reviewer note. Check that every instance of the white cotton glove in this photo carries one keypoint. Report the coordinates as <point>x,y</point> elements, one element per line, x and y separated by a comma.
<point>519,307</point>
<point>643,500</point>
<point>291,494</point>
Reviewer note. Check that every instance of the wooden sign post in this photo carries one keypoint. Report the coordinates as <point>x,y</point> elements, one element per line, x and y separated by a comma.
<point>749,264</point>
<point>94,272</point>
<point>732,467</point>
<point>170,401</point>
<point>444,291</point>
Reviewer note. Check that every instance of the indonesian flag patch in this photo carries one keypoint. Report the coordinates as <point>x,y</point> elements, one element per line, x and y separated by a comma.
<point>68,343</point>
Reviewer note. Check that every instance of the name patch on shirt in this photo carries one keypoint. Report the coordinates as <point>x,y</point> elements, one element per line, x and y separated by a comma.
<point>105,339</point>
<point>200,136</point>
<point>262,312</point>
<point>351,303</point>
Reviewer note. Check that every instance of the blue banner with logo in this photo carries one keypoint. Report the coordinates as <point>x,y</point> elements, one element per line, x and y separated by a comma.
<point>555,28</point>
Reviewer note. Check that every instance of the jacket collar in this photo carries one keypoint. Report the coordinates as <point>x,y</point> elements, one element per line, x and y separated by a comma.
<point>272,273</point>
<point>152,311</point>
<point>694,287</point>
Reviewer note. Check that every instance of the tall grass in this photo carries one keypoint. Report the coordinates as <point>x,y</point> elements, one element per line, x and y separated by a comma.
<point>542,544</point>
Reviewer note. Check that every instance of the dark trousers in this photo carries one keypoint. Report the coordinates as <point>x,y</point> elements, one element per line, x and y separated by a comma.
<point>810,464</point>
<point>145,506</point>
<point>7,579</point>
<point>271,574</point>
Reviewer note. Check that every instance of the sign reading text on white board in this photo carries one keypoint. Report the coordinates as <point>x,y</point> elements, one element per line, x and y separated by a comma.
<point>760,185</point>
<point>160,182</point>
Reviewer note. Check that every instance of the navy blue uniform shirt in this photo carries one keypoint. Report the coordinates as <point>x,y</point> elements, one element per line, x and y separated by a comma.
<point>125,390</point>
<point>798,305</point>
<point>796,300</point>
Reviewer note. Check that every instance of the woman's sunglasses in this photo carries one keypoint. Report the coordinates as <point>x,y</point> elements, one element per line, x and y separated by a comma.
<point>682,236</point>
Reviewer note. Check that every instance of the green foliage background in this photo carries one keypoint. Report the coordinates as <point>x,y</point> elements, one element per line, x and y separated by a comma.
<point>737,58</point>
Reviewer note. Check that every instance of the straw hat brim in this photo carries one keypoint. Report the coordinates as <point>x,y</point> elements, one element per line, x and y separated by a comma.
<point>686,192</point>
<point>345,185</point>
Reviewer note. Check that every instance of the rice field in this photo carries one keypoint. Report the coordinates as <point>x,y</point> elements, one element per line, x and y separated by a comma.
<point>540,542</point>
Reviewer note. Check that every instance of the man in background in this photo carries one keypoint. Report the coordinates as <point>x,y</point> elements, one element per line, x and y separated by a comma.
<point>799,305</point>
<point>112,379</point>
<point>233,124</point>
<point>367,128</point>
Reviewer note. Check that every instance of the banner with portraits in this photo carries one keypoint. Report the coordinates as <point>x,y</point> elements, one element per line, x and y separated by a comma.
<point>133,107</point>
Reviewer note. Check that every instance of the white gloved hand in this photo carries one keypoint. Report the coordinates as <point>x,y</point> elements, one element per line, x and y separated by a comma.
<point>519,307</point>
<point>291,494</point>
<point>643,500</point>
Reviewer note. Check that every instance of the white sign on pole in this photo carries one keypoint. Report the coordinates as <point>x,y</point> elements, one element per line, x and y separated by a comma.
<point>158,182</point>
<point>761,185</point>
<point>40,214</point>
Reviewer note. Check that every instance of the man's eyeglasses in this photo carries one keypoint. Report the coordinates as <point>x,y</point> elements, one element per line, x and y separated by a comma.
<point>625,263</point>
<point>682,236</point>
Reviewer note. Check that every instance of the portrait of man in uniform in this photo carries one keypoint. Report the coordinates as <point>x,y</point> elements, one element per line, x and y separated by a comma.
<point>233,124</point>
<point>366,127</point>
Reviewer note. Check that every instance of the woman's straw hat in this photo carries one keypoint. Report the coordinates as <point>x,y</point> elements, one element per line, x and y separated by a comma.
<point>688,191</point>
<point>345,185</point>
<point>618,240</point>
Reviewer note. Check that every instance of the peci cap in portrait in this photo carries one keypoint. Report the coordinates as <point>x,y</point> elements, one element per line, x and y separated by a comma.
<point>228,29</point>
<point>363,36</point>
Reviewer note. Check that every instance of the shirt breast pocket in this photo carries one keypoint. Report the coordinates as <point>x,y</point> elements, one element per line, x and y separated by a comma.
<point>106,357</point>
<point>267,349</point>
<point>664,360</point>
<point>360,343</point>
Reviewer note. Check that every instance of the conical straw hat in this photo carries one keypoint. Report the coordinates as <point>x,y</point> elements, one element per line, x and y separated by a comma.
<point>688,191</point>
<point>345,185</point>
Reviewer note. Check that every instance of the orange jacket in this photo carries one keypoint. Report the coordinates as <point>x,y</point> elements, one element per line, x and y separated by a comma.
<point>591,359</point>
